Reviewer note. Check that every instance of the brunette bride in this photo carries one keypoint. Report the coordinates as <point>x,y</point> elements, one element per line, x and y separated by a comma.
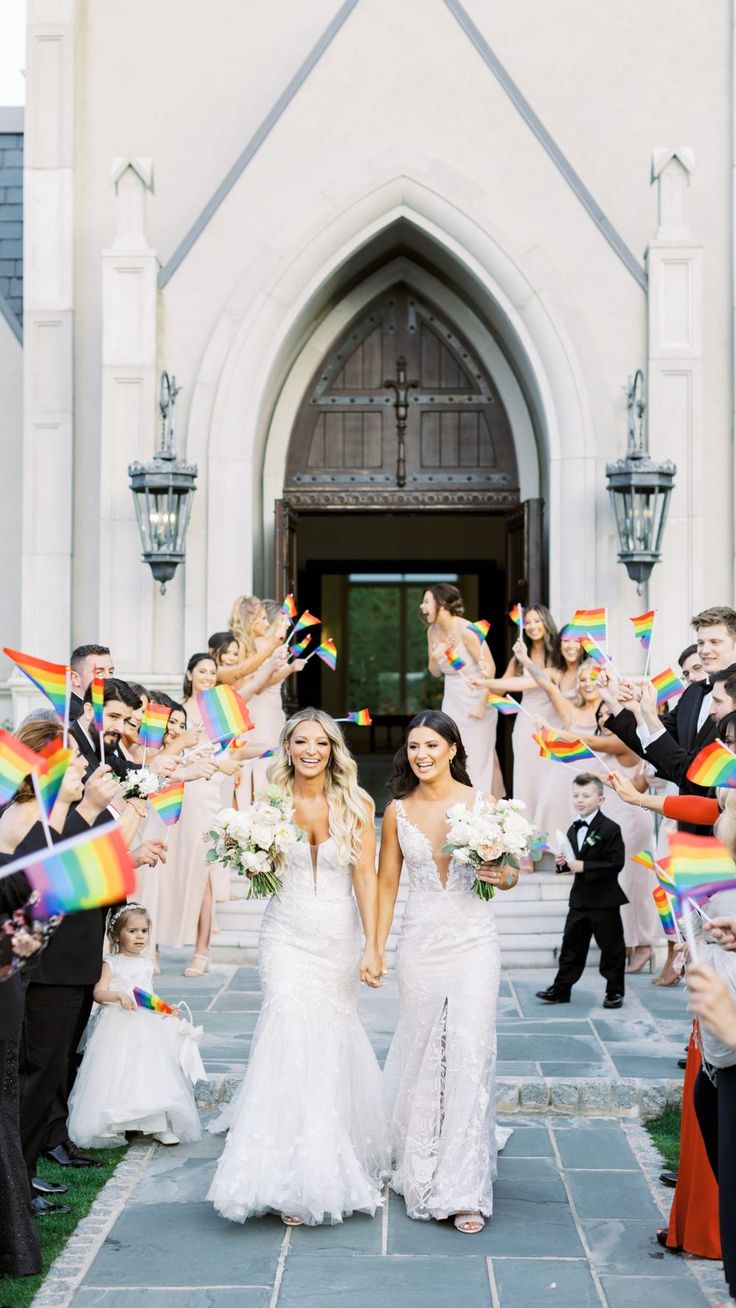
<point>441,1067</point>
<point>307,1134</point>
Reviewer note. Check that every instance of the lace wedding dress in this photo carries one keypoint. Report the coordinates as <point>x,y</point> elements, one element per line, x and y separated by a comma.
<point>441,1067</point>
<point>307,1131</point>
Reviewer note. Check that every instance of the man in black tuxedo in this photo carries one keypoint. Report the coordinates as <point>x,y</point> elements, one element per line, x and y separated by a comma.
<point>87,662</point>
<point>595,897</point>
<point>118,704</point>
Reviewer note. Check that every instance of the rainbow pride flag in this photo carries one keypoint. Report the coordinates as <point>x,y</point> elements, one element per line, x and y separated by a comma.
<point>664,876</point>
<point>664,908</point>
<point>288,608</point>
<point>358,717</point>
<point>154,1003</point>
<point>588,622</point>
<point>167,802</point>
<point>300,647</point>
<point>593,651</point>
<point>50,678</point>
<point>327,652</point>
<point>16,761</point>
<point>307,619</point>
<point>517,616</point>
<point>85,872</point>
<point>52,772</point>
<point>502,703</point>
<point>454,659</point>
<point>667,685</point>
<point>643,628</point>
<point>153,727</point>
<point>713,766</point>
<point>646,858</point>
<point>481,629</point>
<point>268,753</point>
<point>98,702</point>
<point>562,751</point>
<point>223,713</point>
<point>700,866</point>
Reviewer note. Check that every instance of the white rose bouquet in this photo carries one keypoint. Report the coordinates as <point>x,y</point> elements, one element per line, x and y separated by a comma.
<point>491,832</point>
<point>139,784</point>
<point>253,840</point>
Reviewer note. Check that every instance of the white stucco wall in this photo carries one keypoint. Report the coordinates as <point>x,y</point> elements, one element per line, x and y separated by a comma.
<point>11,452</point>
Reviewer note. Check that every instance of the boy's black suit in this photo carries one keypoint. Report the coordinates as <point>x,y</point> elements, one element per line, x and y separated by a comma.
<point>595,900</point>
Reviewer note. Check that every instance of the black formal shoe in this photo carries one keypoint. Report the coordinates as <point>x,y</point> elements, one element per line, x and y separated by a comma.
<point>47,1187</point>
<point>668,1178</point>
<point>613,1001</point>
<point>42,1208</point>
<point>552,996</point>
<point>682,1062</point>
<point>67,1155</point>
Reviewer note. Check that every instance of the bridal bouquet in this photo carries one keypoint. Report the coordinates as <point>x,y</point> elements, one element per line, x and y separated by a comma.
<point>491,832</point>
<point>139,784</point>
<point>253,840</point>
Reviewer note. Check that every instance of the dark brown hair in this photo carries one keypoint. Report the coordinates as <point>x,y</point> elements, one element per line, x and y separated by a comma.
<point>404,779</point>
<point>447,597</point>
<point>588,779</point>
<point>187,688</point>
<point>552,654</point>
<point>36,733</point>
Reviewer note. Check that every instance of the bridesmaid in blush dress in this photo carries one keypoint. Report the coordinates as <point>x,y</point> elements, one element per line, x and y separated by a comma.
<point>449,633</point>
<point>266,707</point>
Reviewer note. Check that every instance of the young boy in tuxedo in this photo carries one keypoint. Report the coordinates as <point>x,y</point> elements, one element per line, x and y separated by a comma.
<point>595,897</point>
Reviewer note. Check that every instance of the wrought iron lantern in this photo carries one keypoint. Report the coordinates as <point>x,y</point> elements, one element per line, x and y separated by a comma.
<point>640,491</point>
<point>162,493</point>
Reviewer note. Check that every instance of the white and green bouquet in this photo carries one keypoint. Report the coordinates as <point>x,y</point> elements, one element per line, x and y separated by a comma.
<point>492,832</point>
<point>253,841</point>
<point>139,784</point>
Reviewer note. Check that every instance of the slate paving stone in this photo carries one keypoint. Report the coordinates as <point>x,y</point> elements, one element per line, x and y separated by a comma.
<point>232,1025</point>
<point>553,1026</point>
<point>186,1183</point>
<point>516,1168</point>
<point>242,1297</point>
<point>391,1282</point>
<point>238,1001</point>
<point>613,1194</point>
<point>607,1147</point>
<point>630,1249</point>
<point>556,1048</point>
<point>504,1068</point>
<point>577,1069</point>
<point>147,1247</point>
<point>506,1232</point>
<point>360,1234</point>
<point>652,1292</point>
<point>522,1282</point>
<point>528,1140</point>
<point>646,1068</point>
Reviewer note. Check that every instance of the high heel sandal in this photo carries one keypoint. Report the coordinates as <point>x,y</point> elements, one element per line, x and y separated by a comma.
<point>469,1223</point>
<point>289,1220</point>
<point>198,971</point>
<point>635,966</point>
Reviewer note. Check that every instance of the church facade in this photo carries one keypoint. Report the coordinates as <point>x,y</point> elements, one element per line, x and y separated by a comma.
<point>402,257</point>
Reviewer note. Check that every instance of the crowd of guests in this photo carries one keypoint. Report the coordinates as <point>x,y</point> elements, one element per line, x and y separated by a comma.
<point>644,793</point>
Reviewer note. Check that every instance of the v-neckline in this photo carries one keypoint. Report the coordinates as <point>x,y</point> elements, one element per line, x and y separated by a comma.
<point>425,838</point>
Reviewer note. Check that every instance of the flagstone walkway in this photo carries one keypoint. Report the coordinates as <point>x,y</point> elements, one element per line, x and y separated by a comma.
<point>577,1199</point>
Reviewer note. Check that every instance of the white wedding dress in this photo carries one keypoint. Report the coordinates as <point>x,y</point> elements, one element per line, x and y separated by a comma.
<point>440,1075</point>
<point>307,1128</point>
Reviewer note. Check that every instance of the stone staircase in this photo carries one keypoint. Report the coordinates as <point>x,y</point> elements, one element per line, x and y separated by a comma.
<point>530,922</point>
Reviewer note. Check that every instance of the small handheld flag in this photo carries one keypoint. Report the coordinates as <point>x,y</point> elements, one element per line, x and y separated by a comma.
<point>16,761</point>
<point>288,608</point>
<point>664,876</point>
<point>713,766</point>
<point>481,629</point>
<point>588,622</point>
<point>49,678</point>
<point>87,871</point>
<point>223,713</point>
<point>327,652</point>
<point>645,857</point>
<point>517,616</point>
<point>503,703</point>
<point>668,685</point>
<point>562,751</point>
<point>167,802</point>
<point>300,647</point>
<point>307,619</point>
<point>454,659</point>
<point>153,727</point>
<point>664,908</point>
<point>358,717</point>
<point>268,753</point>
<point>51,773</point>
<point>154,1003</point>
<point>700,866</point>
<point>593,651</point>
<point>643,628</point>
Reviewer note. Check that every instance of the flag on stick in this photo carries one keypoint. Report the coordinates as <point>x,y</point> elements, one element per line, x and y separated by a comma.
<point>562,751</point>
<point>167,802</point>
<point>307,619</point>
<point>481,629</point>
<point>288,608</point>
<point>16,761</point>
<point>643,628</point>
<point>154,1003</point>
<point>664,908</point>
<point>51,772</point>
<point>153,727</point>
<point>668,685</point>
<point>87,871</point>
<point>297,650</point>
<point>700,866</point>
<point>224,714</point>
<point>713,766</point>
<point>358,717</point>
<point>517,616</point>
<point>49,678</point>
<point>588,622</point>
<point>503,703</point>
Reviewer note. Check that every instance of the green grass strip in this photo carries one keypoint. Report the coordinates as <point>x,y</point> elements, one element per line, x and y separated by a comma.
<point>84,1184</point>
<point>665,1132</point>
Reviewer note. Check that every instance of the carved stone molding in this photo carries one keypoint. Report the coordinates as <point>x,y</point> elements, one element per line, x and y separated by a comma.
<point>389,500</point>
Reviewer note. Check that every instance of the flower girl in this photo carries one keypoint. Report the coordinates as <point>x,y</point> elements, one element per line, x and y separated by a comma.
<point>133,1075</point>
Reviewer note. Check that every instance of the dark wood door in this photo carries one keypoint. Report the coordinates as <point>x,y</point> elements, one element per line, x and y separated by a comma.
<point>286,549</point>
<point>525,579</point>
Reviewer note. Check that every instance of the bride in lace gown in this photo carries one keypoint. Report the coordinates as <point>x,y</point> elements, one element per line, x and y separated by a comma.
<point>441,1067</point>
<point>307,1131</point>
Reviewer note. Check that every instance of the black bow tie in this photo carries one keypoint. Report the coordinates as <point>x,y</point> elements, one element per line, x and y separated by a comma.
<point>581,822</point>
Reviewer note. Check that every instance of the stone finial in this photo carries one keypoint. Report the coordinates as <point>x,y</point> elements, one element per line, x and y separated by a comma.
<point>131,179</point>
<point>671,170</point>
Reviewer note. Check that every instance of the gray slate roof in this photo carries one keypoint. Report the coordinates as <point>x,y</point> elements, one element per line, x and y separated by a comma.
<point>11,220</point>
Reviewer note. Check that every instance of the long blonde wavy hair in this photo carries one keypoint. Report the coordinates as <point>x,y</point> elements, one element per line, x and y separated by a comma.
<point>725,827</point>
<point>245,610</point>
<point>350,809</point>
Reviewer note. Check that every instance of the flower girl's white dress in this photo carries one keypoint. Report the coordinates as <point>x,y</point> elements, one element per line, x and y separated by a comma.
<point>440,1072</point>
<point>307,1127</point>
<point>131,1077</point>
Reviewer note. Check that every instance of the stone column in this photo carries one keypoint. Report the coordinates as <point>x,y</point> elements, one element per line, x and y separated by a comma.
<point>675,399</point>
<point>48,329</point>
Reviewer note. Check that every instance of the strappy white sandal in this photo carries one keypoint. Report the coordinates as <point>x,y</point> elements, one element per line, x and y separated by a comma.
<point>193,970</point>
<point>291,1221</point>
<point>469,1223</point>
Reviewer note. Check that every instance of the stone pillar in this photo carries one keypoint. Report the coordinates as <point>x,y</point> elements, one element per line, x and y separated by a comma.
<point>675,400</point>
<point>48,329</point>
<point>128,424</point>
